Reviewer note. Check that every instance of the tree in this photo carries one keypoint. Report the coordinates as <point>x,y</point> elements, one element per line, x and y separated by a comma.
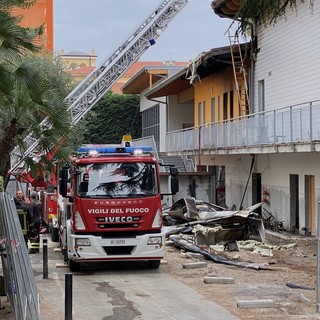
<point>264,12</point>
<point>114,116</point>
<point>32,88</point>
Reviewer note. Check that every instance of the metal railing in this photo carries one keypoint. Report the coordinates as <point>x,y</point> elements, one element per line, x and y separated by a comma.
<point>20,285</point>
<point>288,125</point>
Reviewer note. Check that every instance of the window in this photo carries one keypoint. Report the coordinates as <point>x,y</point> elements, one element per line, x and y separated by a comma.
<point>213,110</point>
<point>116,180</point>
<point>204,112</point>
<point>231,104</point>
<point>151,124</point>
<point>199,114</point>
<point>225,106</point>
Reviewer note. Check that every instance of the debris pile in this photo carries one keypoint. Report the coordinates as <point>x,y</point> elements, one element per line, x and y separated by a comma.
<point>212,224</point>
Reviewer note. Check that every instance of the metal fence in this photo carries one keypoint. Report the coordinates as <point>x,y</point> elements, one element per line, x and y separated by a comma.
<point>19,282</point>
<point>288,125</point>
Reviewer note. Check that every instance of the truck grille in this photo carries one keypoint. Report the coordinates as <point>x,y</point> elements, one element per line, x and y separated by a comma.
<point>118,225</point>
<point>118,250</point>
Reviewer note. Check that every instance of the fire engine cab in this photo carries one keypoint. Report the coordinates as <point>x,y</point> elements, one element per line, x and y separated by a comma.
<point>111,203</point>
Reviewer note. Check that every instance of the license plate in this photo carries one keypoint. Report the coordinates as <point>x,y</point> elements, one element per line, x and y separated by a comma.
<point>115,242</point>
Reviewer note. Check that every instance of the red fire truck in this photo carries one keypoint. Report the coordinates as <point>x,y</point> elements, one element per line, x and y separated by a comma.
<point>83,219</point>
<point>111,203</point>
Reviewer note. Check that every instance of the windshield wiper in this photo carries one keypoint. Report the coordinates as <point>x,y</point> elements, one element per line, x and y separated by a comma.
<point>101,196</point>
<point>136,195</point>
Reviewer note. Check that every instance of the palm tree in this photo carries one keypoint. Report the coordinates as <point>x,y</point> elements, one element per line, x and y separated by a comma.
<point>28,92</point>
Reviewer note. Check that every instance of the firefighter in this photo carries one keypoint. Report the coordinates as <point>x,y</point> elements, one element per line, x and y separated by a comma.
<point>24,215</point>
<point>36,212</point>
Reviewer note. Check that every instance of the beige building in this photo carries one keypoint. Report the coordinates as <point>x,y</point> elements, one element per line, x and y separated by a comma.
<point>77,59</point>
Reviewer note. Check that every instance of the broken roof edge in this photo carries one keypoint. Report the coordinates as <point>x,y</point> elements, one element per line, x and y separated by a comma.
<point>179,75</point>
<point>156,91</point>
<point>226,8</point>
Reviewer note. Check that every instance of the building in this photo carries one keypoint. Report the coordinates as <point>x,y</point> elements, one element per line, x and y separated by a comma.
<point>154,111</point>
<point>41,13</point>
<point>266,145</point>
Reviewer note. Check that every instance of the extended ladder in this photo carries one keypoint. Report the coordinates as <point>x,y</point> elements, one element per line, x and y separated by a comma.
<point>81,100</point>
<point>240,74</point>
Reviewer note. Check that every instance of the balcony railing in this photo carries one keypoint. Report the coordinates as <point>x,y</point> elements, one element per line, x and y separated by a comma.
<point>282,126</point>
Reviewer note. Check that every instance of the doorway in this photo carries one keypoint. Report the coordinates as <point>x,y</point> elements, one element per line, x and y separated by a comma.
<point>310,210</point>
<point>294,203</point>
<point>256,190</point>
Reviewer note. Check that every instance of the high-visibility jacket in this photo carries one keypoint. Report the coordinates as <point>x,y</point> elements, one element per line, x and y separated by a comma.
<point>23,218</point>
<point>24,215</point>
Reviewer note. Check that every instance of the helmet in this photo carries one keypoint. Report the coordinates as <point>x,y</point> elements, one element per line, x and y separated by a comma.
<point>34,195</point>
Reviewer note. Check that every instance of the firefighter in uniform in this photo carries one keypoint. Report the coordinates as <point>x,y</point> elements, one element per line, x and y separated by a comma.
<point>36,212</point>
<point>24,215</point>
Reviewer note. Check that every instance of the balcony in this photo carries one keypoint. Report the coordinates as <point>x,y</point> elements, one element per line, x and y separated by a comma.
<point>289,129</point>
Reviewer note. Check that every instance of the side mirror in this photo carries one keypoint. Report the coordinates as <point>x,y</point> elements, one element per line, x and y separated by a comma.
<point>174,172</point>
<point>63,183</point>
<point>84,186</point>
<point>63,173</point>
<point>174,185</point>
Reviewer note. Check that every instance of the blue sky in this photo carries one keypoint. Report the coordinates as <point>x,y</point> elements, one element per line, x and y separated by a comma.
<point>102,25</point>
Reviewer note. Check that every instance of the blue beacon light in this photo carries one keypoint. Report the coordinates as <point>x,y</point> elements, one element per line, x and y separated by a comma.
<point>103,149</point>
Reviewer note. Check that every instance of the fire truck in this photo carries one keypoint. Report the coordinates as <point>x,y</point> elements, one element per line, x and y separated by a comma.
<point>81,214</point>
<point>111,204</point>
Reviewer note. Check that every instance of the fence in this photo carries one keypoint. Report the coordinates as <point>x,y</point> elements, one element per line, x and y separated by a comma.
<point>19,282</point>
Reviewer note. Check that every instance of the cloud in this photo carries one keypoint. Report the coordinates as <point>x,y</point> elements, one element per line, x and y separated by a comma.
<point>103,24</point>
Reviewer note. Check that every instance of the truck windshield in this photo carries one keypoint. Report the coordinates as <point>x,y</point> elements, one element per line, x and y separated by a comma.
<point>116,180</point>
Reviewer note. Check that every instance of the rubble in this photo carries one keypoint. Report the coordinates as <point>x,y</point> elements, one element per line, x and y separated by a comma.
<point>212,224</point>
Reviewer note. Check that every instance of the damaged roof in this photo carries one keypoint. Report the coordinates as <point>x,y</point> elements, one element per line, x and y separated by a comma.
<point>226,8</point>
<point>206,64</point>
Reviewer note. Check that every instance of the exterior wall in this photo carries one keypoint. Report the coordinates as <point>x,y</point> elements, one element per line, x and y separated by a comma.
<point>201,187</point>
<point>180,116</point>
<point>237,168</point>
<point>288,60</point>
<point>40,13</point>
<point>215,86</point>
<point>146,104</point>
<point>275,179</point>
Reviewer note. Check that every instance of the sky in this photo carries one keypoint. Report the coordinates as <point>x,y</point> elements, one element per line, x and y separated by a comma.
<point>102,25</point>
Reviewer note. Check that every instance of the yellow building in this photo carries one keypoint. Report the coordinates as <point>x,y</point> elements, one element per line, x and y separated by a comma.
<point>77,59</point>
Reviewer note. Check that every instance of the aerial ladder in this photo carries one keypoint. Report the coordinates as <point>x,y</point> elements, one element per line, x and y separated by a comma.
<point>88,92</point>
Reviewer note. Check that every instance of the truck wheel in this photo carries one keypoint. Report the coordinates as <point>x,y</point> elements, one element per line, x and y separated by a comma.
<point>74,266</point>
<point>154,264</point>
<point>55,235</point>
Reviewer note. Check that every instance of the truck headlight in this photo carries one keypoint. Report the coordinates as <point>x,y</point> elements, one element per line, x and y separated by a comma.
<point>154,240</point>
<point>82,242</point>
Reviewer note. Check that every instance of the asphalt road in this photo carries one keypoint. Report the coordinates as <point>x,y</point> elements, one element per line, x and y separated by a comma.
<point>117,291</point>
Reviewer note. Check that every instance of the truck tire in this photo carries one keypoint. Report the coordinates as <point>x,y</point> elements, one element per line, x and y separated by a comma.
<point>74,266</point>
<point>154,264</point>
<point>55,235</point>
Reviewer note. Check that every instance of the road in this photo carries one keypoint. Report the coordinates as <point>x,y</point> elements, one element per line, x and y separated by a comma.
<point>118,291</point>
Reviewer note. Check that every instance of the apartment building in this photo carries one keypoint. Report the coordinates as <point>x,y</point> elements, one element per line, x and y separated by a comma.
<point>259,132</point>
